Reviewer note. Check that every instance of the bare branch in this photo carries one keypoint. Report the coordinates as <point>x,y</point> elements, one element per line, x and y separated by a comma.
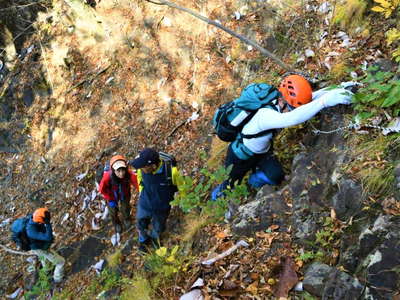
<point>14,251</point>
<point>216,24</point>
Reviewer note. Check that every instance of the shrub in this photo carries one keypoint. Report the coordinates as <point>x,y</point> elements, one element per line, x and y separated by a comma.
<point>195,193</point>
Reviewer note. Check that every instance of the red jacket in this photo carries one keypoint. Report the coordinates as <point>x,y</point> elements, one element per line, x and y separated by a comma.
<point>110,190</point>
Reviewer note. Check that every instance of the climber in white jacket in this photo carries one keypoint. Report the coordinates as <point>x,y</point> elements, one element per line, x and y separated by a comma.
<point>297,105</point>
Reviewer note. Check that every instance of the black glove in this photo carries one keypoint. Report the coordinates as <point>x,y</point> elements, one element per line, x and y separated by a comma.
<point>47,217</point>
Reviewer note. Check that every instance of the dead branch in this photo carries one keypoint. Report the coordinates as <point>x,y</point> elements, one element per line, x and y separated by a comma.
<point>14,251</point>
<point>240,37</point>
<point>177,127</point>
<point>88,79</point>
<point>232,249</point>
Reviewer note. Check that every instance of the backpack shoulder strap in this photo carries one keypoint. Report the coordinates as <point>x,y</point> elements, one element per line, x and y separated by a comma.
<point>259,134</point>
<point>168,171</point>
<point>264,132</point>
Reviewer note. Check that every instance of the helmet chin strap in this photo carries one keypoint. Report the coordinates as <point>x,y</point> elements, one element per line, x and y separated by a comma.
<point>284,106</point>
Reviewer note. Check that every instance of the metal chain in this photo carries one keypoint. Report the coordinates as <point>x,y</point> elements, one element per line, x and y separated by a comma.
<point>350,126</point>
<point>355,126</point>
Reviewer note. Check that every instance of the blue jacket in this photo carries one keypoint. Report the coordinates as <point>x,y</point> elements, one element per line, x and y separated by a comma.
<point>40,235</point>
<point>155,192</point>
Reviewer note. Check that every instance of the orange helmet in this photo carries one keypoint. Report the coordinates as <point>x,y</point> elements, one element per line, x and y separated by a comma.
<point>40,215</point>
<point>296,90</point>
<point>116,158</point>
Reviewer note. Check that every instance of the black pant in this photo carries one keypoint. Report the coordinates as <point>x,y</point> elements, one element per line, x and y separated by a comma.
<point>239,166</point>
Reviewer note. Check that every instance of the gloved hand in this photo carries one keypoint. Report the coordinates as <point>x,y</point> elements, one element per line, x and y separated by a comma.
<point>47,217</point>
<point>335,97</point>
<point>348,84</point>
<point>351,86</point>
<point>112,204</point>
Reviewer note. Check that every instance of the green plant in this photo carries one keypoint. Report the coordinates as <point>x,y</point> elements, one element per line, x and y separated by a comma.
<point>165,264</point>
<point>393,37</point>
<point>380,90</point>
<point>370,163</point>
<point>42,286</point>
<point>327,236</point>
<point>195,193</point>
<point>386,7</point>
<point>310,256</point>
<point>104,282</point>
<point>307,296</point>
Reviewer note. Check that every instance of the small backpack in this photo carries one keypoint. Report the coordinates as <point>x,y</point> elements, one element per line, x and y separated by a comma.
<point>18,230</point>
<point>230,117</point>
<point>170,162</point>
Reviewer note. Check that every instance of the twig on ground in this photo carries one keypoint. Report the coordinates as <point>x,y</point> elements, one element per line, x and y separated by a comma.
<point>46,65</point>
<point>14,251</point>
<point>232,249</point>
<point>177,127</point>
<point>88,79</point>
<point>20,6</point>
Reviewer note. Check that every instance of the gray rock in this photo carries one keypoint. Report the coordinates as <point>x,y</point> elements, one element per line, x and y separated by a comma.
<point>385,65</point>
<point>260,214</point>
<point>342,286</point>
<point>316,277</point>
<point>304,229</point>
<point>382,274</point>
<point>347,201</point>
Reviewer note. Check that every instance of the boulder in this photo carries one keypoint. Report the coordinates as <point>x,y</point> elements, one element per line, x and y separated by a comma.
<point>316,277</point>
<point>257,215</point>
<point>341,286</point>
<point>347,201</point>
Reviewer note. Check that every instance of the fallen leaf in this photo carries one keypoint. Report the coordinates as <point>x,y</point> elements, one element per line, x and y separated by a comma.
<point>221,235</point>
<point>253,288</point>
<point>273,227</point>
<point>287,279</point>
<point>333,214</point>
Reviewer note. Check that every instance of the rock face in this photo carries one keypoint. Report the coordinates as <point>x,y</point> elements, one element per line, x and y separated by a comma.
<point>330,283</point>
<point>269,208</point>
<point>341,286</point>
<point>315,278</point>
<point>370,246</point>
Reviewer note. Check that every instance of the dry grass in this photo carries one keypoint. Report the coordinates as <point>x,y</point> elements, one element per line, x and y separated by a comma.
<point>368,163</point>
<point>349,14</point>
<point>193,224</point>
<point>114,259</point>
<point>139,289</point>
<point>217,153</point>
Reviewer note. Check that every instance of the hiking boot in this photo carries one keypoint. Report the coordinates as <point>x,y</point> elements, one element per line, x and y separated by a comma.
<point>144,247</point>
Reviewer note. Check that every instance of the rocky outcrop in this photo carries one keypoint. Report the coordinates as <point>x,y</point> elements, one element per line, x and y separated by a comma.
<point>329,283</point>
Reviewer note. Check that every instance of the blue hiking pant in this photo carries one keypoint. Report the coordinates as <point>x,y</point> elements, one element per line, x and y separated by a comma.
<point>157,219</point>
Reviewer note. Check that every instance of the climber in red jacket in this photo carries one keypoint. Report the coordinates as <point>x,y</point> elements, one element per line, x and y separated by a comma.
<point>115,186</point>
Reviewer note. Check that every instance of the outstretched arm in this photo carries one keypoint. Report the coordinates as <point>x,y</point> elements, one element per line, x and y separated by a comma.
<point>270,119</point>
